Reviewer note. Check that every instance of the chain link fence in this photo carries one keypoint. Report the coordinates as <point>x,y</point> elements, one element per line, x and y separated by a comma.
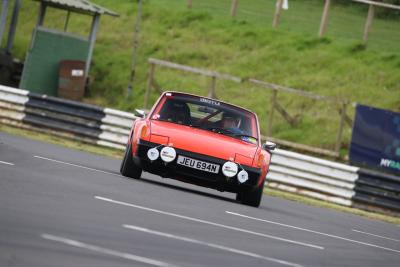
<point>347,19</point>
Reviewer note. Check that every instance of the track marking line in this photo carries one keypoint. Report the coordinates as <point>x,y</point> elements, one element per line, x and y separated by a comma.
<point>75,165</point>
<point>209,223</point>
<point>7,163</point>
<point>384,237</point>
<point>224,248</point>
<point>106,251</point>
<point>312,231</point>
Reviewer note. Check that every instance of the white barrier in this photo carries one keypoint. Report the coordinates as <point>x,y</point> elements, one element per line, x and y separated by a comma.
<point>310,176</point>
<point>83,122</point>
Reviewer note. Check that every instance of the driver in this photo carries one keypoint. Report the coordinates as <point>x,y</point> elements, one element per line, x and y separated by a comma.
<point>231,123</point>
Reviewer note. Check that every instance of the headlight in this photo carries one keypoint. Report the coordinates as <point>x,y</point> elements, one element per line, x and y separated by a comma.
<point>168,154</point>
<point>153,154</point>
<point>229,169</point>
<point>243,176</point>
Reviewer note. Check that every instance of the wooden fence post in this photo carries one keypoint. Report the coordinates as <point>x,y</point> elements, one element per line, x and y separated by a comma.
<point>189,4</point>
<point>343,115</point>
<point>277,15</point>
<point>324,19</point>
<point>211,93</point>
<point>271,112</point>
<point>149,84</point>
<point>368,23</point>
<point>234,7</point>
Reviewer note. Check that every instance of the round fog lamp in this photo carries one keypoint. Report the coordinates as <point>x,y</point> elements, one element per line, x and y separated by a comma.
<point>168,154</point>
<point>229,169</point>
<point>243,176</point>
<point>153,154</point>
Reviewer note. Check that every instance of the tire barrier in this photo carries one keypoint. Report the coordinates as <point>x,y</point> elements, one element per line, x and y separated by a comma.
<point>377,190</point>
<point>289,171</point>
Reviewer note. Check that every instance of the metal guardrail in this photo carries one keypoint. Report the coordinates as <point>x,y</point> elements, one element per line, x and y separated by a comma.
<point>289,171</point>
<point>79,121</point>
<point>313,177</point>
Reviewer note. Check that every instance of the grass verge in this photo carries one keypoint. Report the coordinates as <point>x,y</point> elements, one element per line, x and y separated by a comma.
<point>62,142</point>
<point>328,205</point>
<point>118,154</point>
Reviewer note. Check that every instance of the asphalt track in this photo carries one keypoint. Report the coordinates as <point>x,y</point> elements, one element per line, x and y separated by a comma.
<point>60,207</point>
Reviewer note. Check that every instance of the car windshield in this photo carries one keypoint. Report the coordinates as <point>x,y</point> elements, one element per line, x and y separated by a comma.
<point>207,114</point>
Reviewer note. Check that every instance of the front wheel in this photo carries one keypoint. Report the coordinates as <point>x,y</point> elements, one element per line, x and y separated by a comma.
<point>251,197</point>
<point>128,167</point>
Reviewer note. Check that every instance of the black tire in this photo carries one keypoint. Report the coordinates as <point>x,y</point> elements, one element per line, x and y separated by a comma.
<point>128,167</point>
<point>251,197</point>
<point>239,196</point>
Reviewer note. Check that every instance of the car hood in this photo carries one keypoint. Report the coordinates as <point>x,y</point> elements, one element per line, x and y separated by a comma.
<point>205,142</point>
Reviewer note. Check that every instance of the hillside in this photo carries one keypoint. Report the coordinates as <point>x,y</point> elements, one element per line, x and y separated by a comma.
<point>247,46</point>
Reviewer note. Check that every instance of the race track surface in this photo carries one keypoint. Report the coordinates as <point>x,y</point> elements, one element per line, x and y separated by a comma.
<point>60,207</point>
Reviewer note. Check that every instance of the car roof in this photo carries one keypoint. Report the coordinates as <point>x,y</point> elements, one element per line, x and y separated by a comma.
<point>225,103</point>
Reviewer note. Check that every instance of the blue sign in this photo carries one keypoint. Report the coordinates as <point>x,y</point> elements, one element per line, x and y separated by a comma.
<point>375,142</point>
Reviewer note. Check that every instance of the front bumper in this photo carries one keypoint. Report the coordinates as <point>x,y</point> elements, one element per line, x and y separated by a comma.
<point>186,174</point>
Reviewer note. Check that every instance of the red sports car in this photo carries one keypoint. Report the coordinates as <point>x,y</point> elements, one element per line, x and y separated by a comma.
<point>200,141</point>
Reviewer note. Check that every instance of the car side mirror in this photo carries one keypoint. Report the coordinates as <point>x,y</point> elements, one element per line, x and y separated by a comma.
<point>140,113</point>
<point>269,146</point>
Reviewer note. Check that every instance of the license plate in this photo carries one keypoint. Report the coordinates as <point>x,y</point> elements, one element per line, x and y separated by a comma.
<point>198,164</point>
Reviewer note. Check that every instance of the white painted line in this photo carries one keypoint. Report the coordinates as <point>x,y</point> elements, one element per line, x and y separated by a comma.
<point>384,237</point>
<point>194,241</point>
<point>312,231</point>
<point>209,223</point>
<point>106,251</point>
<point>6,163</point>
<point>75,165</point>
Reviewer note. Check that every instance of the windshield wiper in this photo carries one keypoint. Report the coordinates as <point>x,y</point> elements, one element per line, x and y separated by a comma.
<point>174,122</point>
<point>221,131</point>
<point>230,133</point>
<point>196,126</point>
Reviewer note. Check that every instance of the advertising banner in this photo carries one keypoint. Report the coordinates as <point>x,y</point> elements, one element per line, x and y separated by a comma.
<point>375,141</point>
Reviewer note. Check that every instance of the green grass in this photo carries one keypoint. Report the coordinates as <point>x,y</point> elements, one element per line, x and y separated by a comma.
<point>118,154</point>
<point>207,37</point>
